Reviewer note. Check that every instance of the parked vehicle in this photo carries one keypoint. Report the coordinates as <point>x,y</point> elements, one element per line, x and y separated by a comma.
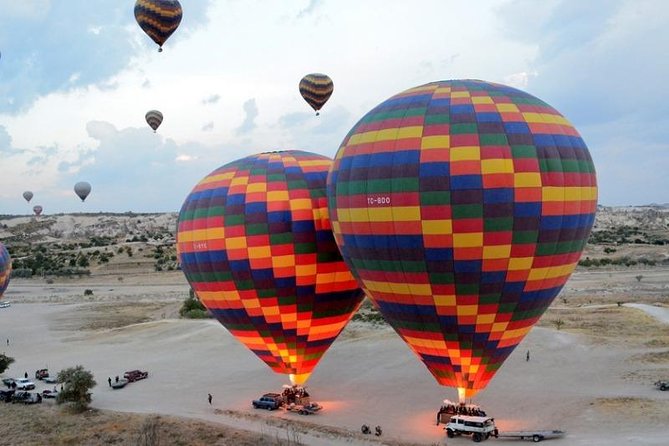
<point>51,379</point>
<point>480,428</point>
<point>24,384</point>
<point>8,381</point>
<point>41,374</point>
<point>6,395</point>
<point>304,409</point>
<point>121,383</point>
<point>269,401</point>
<point>5,304</point>
<point>49,393</point>
<point>135,375</point>
<point>662,385</point>
<point>27,398</point>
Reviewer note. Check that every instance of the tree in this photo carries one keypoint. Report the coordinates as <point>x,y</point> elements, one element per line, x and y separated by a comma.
<point>558,323</point>
<point>639,277</point>
<point>5,362</point>
<point>77,384</point>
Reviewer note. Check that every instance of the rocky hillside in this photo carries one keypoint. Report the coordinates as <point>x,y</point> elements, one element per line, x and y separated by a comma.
<point>74,244</point>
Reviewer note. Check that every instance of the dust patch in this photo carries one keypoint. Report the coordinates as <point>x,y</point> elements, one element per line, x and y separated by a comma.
<point>640,409</point>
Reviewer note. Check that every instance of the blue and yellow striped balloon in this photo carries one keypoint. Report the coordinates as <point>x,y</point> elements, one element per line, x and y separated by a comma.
<point>158,18</point>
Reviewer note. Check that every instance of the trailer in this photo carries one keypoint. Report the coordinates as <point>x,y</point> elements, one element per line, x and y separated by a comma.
<point>535,436</point>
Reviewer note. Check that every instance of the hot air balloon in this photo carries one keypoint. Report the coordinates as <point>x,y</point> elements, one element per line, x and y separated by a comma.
<point>27,195</point>
<point>255,243</point>
<point>154,118</point>
<point>158,18</point>
<point>462,207</point>
<point>82,189</point>
<point>316,89</point>
<point>38,210</point>
<point>5,268</point>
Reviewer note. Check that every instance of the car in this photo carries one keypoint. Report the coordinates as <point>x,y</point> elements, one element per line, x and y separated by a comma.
<point>24,384</point>
<point>5,304</point>
<point>51,379</point>
<point>6,395</point>
<point>41,374</point>
<point>121,383</point>
<point>269,401</point>
<point>49,393</point>
<point>27,398</point>
<point>8,381</point>
<point>135,375</point>
<point>662,385</point>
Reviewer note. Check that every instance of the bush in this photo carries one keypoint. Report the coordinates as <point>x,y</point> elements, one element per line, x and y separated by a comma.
<point>5,362</point>
<point>88,292</point>
<point>192,308</point>
<point>77,384</point>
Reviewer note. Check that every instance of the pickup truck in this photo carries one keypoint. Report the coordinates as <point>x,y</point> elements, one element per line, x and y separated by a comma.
<point>269,401</point>
<point>24,384</point>
<point>135,375</point>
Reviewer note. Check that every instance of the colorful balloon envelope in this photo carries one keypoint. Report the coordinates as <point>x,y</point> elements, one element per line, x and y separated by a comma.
<point>5,268</point>
<point>158,18</point>
<point>462,207</point>
<point>316,89</point>
<point>38,210</point>
<point>255,243</point>
<point>28,195</point>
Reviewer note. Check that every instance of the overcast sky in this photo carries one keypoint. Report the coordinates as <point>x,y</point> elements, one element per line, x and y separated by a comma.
<point>77,77</point>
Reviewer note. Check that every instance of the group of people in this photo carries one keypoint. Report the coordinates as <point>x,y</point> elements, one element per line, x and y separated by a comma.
<point>294,394</point>
<point>365,429</point>
<point>460,409</point>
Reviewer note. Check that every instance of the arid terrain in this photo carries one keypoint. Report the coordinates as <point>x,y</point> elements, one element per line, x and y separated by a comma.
<point>594,355</point>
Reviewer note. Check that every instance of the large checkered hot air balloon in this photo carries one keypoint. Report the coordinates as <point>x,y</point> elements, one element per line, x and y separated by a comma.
<point>5,268</point>
<point>462,207</point>
<point>255,243</point>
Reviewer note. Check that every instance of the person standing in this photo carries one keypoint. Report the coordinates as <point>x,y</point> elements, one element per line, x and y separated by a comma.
<point>527,356</point>
<point>109,381</point>
<point>209,398</point>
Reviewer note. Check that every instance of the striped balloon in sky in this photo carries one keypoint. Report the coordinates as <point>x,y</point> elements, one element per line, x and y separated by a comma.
<point>316,89</point>
<point>158,18</point>
<point>154,118</point>
<point>255,243</point>
<point>5,268</point>
<point>462,207</point>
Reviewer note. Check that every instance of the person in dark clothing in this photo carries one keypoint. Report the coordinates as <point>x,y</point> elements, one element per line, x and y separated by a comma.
<point>109,381</point>
<point>25,375</point>
<point>527,356</point>
<point>209,397</point>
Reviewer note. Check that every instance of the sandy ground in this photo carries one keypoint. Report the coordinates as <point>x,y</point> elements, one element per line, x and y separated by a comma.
<point>368,376</point>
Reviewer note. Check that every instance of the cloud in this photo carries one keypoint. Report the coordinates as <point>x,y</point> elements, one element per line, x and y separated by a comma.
<point>520,80</point>
<point>58,46</point>
<point>213,99</point>
<point>208,127</point>
<point>311,7</point>
<point>251,112</point>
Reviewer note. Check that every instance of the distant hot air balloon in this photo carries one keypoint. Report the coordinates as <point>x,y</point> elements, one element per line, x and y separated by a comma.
<point>38,210</point>
<point>255,243</point>
<point>316,89</point>
<point>158,18</point>
<point>5,268</point>
<point>154,118</point>
<point>82,189</point>
<point>28,196</point>
<point>462,207</point>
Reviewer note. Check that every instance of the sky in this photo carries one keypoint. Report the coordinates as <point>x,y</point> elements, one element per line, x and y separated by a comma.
<point>78,76</point>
